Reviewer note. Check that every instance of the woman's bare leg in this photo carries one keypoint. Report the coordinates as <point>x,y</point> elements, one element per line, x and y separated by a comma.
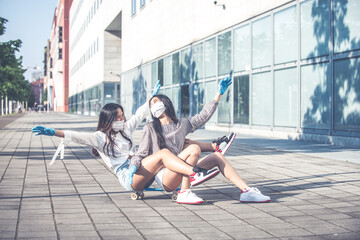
<point>153,163</point>
<point>171,180</point>
<point>205,147</point>
<point>218,160</point>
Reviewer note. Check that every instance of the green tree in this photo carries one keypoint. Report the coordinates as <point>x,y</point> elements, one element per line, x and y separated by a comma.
<point>12,81</point>
<point>44,96</point>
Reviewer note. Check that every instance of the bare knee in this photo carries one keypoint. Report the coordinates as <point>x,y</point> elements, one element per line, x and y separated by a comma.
<point>164,152</point>
<point>219,157</point>
<point>194,150</point>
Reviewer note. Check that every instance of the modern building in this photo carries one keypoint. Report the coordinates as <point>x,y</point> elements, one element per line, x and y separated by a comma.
<point>58,61</point>
<point>37,87</point>
<point>48,89</point>
<point>295,64</point>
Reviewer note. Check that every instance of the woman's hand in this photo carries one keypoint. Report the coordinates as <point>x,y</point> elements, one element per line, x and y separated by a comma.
<point>224,84</point>
<point>222,87</point>
<point>156,88</point>
<point>40,130</point>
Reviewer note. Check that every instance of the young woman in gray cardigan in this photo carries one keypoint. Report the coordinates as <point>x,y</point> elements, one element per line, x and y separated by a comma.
<point>168,132</point>
<point>112,141</point>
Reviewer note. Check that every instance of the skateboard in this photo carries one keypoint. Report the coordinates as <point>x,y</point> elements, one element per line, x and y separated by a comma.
<point>138,195</point>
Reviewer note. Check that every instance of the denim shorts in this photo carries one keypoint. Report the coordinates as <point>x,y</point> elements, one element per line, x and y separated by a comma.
<point>123,175</point>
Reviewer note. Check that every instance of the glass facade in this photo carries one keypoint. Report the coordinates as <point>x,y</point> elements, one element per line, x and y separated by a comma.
<point>241,99</point>
<point>347,94</point>
<point>261,99</point>
<point>285,98</point>
<point>242,48</point>
<point>315,96</point>
<point>261,42</point>
<point>296,68</point>
<point>285,35</point>
<point>224,53</point>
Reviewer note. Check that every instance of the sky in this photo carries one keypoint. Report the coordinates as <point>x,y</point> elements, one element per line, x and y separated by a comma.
<point>30,21</point>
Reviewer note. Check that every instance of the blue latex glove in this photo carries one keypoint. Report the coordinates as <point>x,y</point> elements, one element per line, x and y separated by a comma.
<point>156,88</point>
<point>40,130</point>
<point>224,84</point>
<point>132,171</point>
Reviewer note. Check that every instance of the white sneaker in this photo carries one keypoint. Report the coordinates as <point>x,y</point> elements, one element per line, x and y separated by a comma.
<point>253,195</point>
<point>188,197</point>
<point>223,143</point>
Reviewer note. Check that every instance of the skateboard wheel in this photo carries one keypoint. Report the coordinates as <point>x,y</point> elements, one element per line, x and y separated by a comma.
<point>141,196</point>
<point>134,196</point>
<point>174,197</point>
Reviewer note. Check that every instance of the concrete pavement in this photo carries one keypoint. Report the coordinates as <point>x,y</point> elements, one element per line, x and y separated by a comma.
<point>315,191</point>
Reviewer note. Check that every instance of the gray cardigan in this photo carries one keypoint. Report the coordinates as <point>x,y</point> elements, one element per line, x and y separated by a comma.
<point>174,134</point>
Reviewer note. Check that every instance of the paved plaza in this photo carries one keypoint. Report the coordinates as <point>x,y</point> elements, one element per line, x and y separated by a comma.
<point>315,191</point>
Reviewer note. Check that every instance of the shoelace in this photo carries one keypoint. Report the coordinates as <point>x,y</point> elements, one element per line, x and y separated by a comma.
<point>190,193</point>
<point>221,139</point>
<point>256,190</point>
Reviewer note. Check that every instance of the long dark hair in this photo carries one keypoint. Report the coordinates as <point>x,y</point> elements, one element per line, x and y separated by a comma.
<point>107,117</point>
<point>170,112</point>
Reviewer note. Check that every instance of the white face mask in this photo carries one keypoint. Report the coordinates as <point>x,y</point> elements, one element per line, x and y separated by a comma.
<point>118,125</point>
<point>157,109</point>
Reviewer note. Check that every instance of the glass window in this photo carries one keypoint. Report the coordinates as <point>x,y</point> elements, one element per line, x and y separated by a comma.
<point>347,94</point>
<point>161,71</point>
<point>241,99</point>
<point>224,53</point>
<point>154,74</point>
<point>285,35</point>
<point>185,101</point>
<point>261,48</point>
<point>185,66</point>
<point>210,58</point>
<point>210,91</point>
<point>175,68</point>
<point>146,72</point>
<point>261,98</point>
<point>346,25</point>
<point>133,7</point>
<point>109,90</point>
<point>315,28</point>
<point>285,97</point>
<point>225,108</point>
<point>175,98</point>
<point>198,98</point>
<point>167,71</point>
<point>167,92</point>
<point>197,62</point>
<point>315,96</point>
<point>242,48</point>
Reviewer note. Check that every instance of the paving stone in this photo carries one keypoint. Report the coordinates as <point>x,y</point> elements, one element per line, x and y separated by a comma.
<point>313,196</point>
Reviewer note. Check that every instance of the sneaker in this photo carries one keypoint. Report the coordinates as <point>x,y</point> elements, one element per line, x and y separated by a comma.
<point>202,175</point>
<point>188,197</point>
<point>253,195</point>
<point>223,143</point>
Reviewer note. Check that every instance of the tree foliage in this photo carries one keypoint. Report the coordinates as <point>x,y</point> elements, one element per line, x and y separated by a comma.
<point>12,81</point>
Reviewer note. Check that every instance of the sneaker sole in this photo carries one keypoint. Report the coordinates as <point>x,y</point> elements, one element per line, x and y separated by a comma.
<point>190,202</point>
<point>256,201</point>
<point>229,144</point>
<point>208,178</point>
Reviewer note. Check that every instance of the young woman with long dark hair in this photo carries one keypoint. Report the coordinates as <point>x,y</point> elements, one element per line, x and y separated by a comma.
<point>113,142</point>
<point>166,131</point>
